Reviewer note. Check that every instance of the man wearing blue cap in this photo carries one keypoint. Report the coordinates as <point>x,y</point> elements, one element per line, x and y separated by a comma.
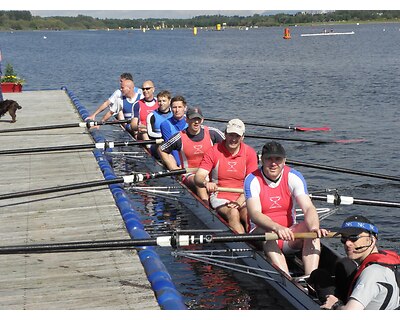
<point>373,284</point>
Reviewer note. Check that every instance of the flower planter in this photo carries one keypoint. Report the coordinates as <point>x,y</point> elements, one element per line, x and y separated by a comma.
<point>10,87</point>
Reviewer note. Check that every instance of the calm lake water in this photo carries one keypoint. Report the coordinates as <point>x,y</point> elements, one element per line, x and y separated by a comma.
<point>349,83</point>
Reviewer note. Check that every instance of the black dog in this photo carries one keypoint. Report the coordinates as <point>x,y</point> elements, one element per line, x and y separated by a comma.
<point>11,106</point>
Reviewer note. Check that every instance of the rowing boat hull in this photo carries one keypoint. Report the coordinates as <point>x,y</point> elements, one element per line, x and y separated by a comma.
<point>293,292</point>
<point>326,34</point>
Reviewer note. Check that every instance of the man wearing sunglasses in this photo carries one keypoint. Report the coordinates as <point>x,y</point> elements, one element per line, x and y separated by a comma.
<point>373,283</point>
<point>141,109</point>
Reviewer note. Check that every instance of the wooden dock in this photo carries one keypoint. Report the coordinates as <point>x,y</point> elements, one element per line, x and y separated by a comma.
<point>108,280</point>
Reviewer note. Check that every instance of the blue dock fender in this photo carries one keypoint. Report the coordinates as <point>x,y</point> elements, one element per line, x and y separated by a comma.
<point>168,297</point>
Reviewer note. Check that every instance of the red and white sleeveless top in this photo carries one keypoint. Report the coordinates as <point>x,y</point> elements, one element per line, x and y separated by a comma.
<point>276,203</point>
<point>145,108</point>
<point>192,152</point>
<point>229,170</point>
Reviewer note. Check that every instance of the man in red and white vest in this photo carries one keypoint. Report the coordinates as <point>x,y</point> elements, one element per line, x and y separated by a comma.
<point>191,144</point>
<point>227,164</point>
<point>272,192</point>
<point>141,109</point>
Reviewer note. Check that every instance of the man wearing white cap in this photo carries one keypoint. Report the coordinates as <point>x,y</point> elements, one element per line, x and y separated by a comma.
<point>229,162</point>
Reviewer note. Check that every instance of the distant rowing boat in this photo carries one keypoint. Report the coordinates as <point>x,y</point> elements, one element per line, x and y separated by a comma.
<point>326,34</point>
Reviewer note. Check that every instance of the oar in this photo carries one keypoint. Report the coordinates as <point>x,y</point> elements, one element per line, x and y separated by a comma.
<point>304,140</point>
<point>134,178</point>
<point>345,200</point>
<point>267,125</point>
<point>88,124</point>
<point>99,145</point>
<point>233,190</point>
<point>344,170</point>
<point>334,199</point>
<point>174,241</point>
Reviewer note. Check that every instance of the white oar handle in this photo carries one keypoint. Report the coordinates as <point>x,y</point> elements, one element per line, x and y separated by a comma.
<point>102,145</point>
<point>331,198</point>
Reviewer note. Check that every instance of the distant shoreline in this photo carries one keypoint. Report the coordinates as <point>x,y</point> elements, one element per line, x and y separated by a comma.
<point>321,24</point>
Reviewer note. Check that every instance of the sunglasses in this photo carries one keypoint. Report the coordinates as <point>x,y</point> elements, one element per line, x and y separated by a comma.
<point>148,88</point>
<point>352,238</point>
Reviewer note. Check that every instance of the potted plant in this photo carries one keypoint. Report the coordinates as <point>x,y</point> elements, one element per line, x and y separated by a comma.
<point>10,82</point>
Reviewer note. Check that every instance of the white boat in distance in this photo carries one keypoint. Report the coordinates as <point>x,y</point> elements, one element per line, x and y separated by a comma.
<point>326,34</point>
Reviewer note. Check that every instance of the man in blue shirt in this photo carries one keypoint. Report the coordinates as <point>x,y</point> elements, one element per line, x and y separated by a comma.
<point>176,123</point>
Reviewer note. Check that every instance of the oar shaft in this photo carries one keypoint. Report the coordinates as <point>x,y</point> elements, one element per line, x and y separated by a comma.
<point>345,200</point>
<point>134,178</point>
<point>269,236</point>
<point>343,170</point>
<point>77,246</point>
<point>55,126</point>
<point>87,124</point>
<point>177,240</point>
<point>289,139</point>
<point>68,187</point>
<point>269,125</point>
<point>99,145</point>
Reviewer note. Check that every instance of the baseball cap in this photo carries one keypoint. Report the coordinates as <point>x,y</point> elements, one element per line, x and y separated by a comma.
<point>357,224</point>
<point>194,113</point>
<point>235,126</point>
<point>273,149</point>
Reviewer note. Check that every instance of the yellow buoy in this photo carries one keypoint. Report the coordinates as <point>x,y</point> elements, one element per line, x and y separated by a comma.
<point>195,30</point>
<point>218,27</point>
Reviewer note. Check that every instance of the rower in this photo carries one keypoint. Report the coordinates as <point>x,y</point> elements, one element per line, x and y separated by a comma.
<point>227,164</point>
<point>191,144</point>
<point>121,101</point>
<point>155,118</point>
<point>176,123</point>
<point>113,99</point>
<point>271,194</point>
<point>373,284</point>
<point>141,109</point>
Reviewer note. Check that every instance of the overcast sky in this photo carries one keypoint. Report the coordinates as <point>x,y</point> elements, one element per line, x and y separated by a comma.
<point>185,8</point>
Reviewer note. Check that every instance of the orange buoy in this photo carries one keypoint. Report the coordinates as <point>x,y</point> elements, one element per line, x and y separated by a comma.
<point>286,34</point>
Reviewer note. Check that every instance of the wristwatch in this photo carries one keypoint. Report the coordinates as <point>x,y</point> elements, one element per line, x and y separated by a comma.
<point>337,304</point>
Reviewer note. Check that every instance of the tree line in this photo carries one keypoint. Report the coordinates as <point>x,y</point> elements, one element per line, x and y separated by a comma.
<point>24,20</point>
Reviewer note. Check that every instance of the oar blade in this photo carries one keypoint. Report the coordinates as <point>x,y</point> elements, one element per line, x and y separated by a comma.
<point>312,129</point>
<point>318,141</point>
<point>350,140</point>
